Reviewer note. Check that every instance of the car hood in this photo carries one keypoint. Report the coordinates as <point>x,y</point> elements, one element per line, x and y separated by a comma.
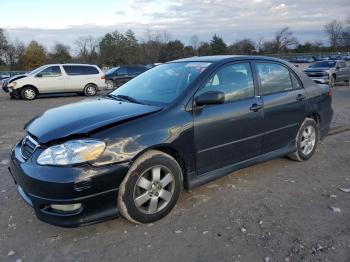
<point>17,77</point>
<point>84,117</point>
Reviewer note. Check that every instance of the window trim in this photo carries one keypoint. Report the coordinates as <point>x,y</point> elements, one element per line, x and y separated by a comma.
<point>280,64</point>
<point>50,75</point>
<point>249,62</point>
<point>85,66</point>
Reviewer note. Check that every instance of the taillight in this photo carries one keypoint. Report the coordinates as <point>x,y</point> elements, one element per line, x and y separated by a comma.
<point>330,92</point>
<point>103,77</point>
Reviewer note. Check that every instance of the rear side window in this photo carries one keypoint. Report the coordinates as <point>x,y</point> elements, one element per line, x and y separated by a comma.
<point>295,82</point>
<point>274,78</point>
<point>80,70</point>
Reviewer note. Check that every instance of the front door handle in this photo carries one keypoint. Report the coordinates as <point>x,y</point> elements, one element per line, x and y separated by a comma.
<point>301,97</point>
<point>256,107</point>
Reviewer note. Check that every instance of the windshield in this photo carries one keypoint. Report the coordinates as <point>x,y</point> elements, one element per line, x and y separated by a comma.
<point>36,70</point>
<point>162,84</point>
<point>324,64</point>
<point>112,70</point>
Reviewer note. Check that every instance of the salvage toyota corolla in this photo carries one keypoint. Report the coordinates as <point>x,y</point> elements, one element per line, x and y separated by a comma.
<point>180,124</point>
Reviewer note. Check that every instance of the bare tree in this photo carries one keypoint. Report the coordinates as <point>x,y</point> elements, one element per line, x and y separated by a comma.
<point>86,48</point>
<point>13,54</point>
<point>194,42</point>
<point>334,31</point>
<point>3,42</point>
<point>284,39</point>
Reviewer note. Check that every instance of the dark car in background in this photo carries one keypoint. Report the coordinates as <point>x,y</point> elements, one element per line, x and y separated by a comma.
<point>118,76</point>
<point>328,72</point>
<point>6,81</point>
<point>182,123</point>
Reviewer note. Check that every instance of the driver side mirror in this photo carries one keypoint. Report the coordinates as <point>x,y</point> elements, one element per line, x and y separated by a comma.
<point>338,67</point>
<point>210,98</point>
<point>39,75</point>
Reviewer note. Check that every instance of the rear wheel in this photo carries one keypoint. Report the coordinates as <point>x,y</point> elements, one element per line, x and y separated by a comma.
<point>306,140</point>
<point>28,93</point>
<point>151,188</point>
<point>110,84</point>
<point>90,90</point>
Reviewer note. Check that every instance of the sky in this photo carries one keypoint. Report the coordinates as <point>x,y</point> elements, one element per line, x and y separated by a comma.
<point>63,21</point>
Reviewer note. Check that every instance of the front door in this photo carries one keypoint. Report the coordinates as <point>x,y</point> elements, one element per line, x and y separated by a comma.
<point>231,132</point>
<point>49,80</point>
<point>284,104</point>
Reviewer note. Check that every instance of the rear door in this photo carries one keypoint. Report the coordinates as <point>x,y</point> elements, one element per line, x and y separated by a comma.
<point>284,104</point>
<point>231,132</point>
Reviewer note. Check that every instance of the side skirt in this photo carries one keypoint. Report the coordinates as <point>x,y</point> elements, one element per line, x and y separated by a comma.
<point>194,180</point>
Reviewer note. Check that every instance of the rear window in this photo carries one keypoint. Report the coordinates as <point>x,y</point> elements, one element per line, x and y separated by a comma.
<point>80,70</point>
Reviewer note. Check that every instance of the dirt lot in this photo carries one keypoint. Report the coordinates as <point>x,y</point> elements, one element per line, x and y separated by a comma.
<point>276,211</point>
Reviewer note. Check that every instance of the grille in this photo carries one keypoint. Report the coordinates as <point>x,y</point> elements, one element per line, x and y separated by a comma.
<point>28,147</point>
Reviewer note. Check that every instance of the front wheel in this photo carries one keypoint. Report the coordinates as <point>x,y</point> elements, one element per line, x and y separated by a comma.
<point>28,93</point>
<point>306,140</point>
<point>151,188</point>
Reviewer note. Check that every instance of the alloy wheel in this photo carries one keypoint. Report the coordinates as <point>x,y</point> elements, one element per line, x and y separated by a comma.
<point>29,94</point>
<point>308,140</point>
<point>154,190</point>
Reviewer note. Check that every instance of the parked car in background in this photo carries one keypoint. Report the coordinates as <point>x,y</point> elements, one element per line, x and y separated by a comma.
<point>329,72</point>
<point>302,60</point>
<point>58,78</point>
<point>183,123</point>
<point>118,76</point>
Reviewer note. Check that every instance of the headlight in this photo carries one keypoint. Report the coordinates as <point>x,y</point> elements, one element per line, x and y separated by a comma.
<point>72,152</point>
<point>12,84</point>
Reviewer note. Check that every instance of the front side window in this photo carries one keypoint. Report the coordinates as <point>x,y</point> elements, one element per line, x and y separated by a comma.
<point>235,80</point>
<point>274,78</point>
<point>162,84</point>
<point>51,71</point>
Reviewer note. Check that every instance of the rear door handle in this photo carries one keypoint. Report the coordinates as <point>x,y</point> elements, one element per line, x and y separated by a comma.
<point>256,107</point>
<point>300,97</point>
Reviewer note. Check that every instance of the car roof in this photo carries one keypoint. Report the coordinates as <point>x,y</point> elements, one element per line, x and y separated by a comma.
<point>69,64</point>
<point>221,58</point>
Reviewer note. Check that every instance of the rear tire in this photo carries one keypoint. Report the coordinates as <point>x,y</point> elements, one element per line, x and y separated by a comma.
<point>151,188</point>
<point>90,90</point>
<point>28,93</point>
<point>306,140</point>
<point>110,84</point>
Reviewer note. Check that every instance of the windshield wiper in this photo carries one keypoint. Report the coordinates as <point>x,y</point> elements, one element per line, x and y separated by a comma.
<point>125,98</point>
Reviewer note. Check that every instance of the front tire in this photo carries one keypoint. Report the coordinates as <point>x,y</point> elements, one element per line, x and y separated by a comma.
<point>151,188</point>
<point>306,140</point>
<point>28,93</point>
<point>90,90</point>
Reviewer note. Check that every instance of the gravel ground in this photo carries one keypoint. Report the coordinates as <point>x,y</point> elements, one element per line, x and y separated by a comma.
<point>280,210</point>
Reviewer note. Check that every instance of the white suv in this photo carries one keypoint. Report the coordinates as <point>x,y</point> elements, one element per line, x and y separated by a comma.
<point>58,78</point>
